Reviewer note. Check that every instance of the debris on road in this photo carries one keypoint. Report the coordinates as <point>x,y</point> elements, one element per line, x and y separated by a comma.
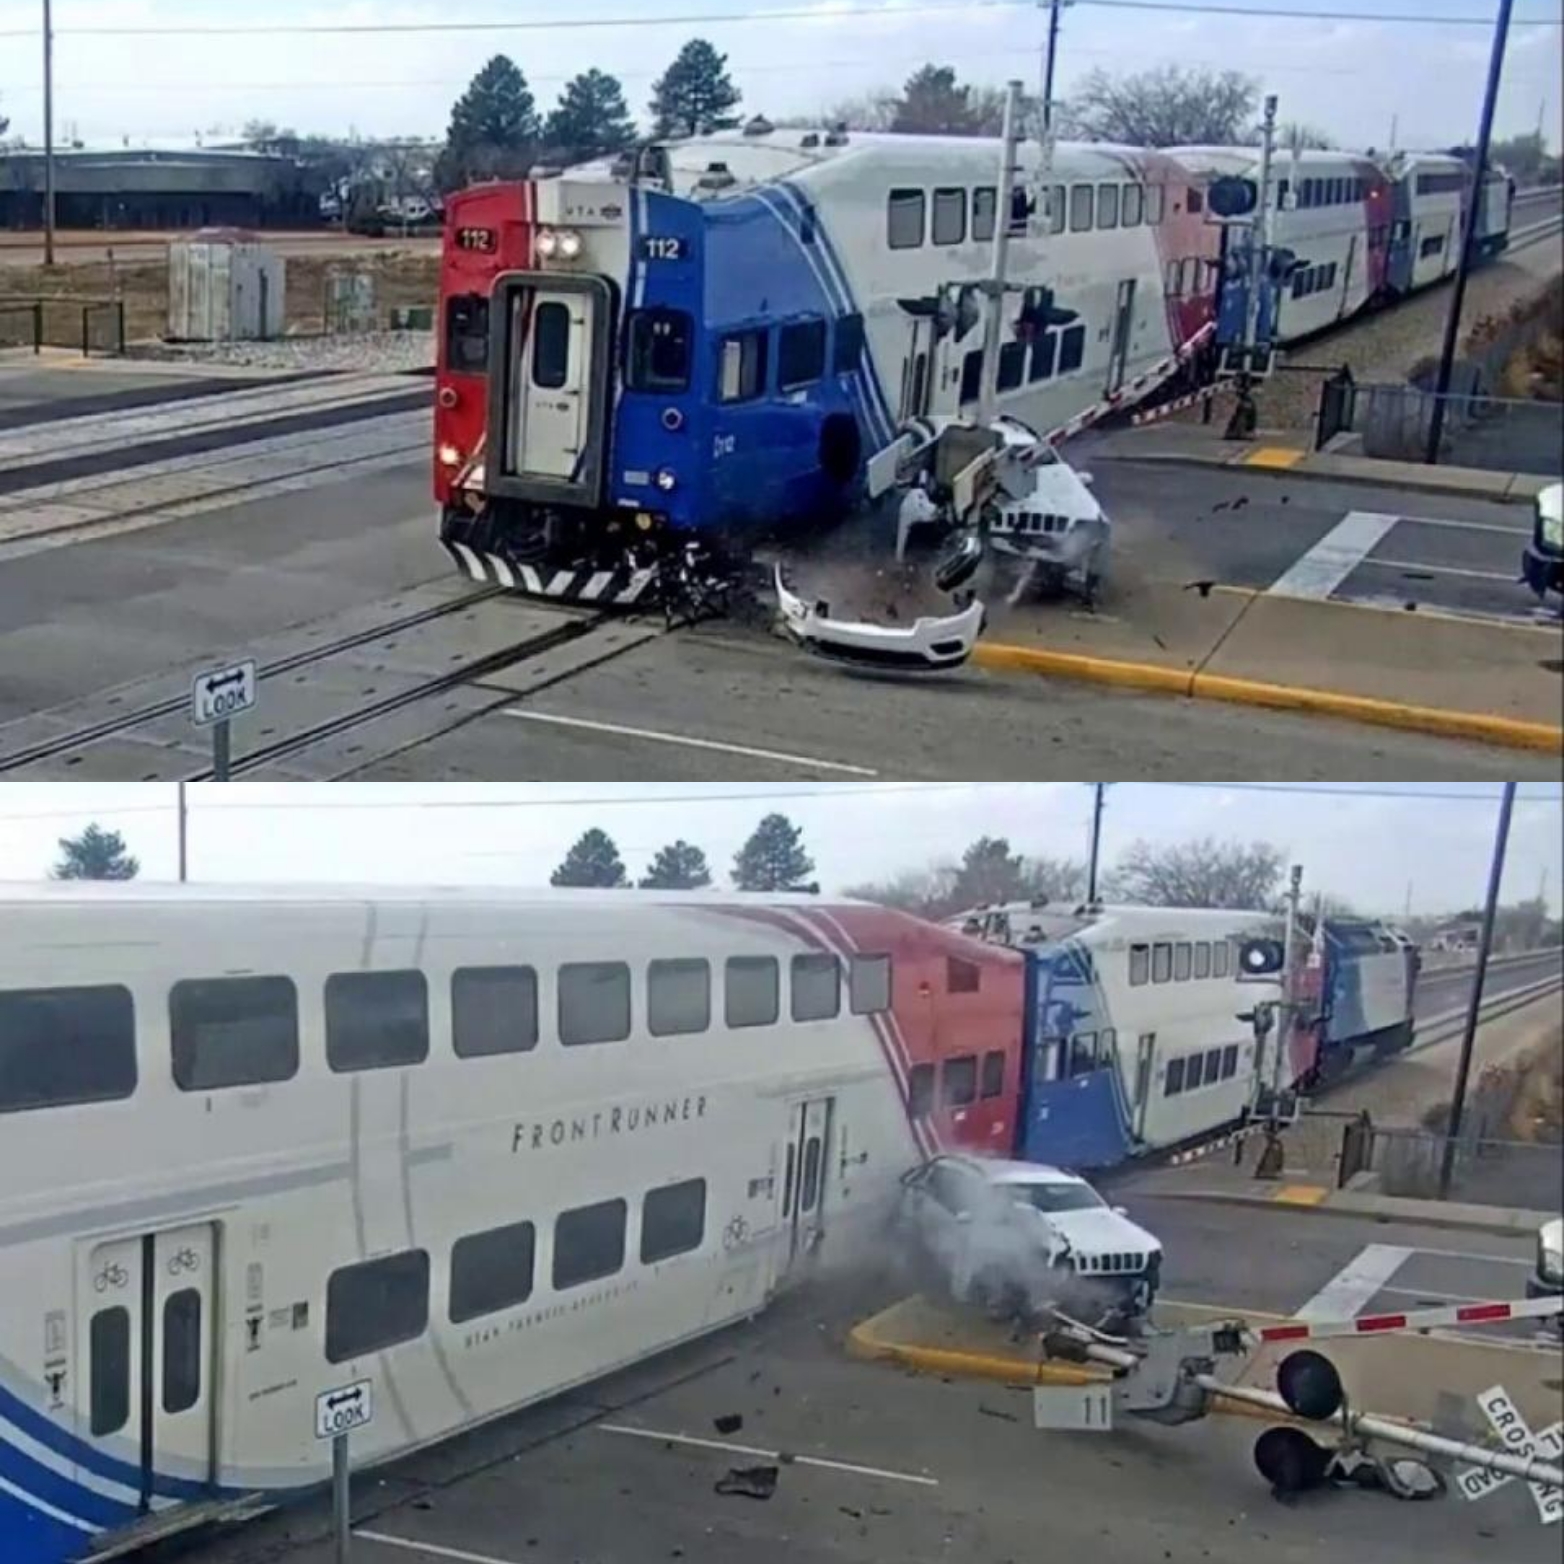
<point>749,1482</point>
<point>728,1423</point>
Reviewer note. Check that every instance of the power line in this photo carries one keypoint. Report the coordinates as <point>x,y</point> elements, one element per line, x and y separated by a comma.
<point>710,18</point>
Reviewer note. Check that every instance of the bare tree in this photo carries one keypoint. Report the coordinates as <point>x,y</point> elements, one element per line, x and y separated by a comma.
<point>1203,873</point>
<point>988,872</point>
<point>872,111</point>
<point>1165,107</point>
<point>1295,133</point>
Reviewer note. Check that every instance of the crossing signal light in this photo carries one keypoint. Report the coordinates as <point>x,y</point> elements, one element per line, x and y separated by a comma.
<point>1232,196</point>
<point>1261,957</point>
<point>1309,1384</point>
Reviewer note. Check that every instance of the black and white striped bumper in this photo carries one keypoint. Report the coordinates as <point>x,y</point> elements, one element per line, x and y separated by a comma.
<point>621,587</point>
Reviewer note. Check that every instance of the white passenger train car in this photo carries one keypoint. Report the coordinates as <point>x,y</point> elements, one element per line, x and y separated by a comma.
<point>472,1147</point>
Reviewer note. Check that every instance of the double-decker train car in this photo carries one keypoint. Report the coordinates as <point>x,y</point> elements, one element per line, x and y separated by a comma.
<point>473,1148</point>
<point>714,336</point>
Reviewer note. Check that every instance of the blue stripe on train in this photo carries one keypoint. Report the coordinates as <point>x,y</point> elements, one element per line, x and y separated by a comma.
<point>28,1536</point>
<point>61,1492</point>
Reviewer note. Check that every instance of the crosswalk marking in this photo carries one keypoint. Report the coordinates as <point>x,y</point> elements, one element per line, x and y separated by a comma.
<point>1352,1287</point>
<point>1324,567</point>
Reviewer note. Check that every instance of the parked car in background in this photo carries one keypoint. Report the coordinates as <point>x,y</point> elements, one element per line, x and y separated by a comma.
<point>1542,565</point>
<point>1016,1238</point>
<point>1547,1280</point>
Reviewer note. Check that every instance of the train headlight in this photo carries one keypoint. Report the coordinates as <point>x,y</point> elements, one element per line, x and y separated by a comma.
<point>569,244</point>
<point>666,480</point>
<point>449,456</point>
<point>558,244</point>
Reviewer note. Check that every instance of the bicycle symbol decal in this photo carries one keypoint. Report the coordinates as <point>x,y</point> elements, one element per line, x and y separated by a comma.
<point>183,1260</point>
<point>112,1275</point>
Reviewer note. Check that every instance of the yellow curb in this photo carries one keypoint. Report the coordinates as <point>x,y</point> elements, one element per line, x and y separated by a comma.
<point>1442,615</point>
<point>1508,732</point>
<point>1300,1194</point>
<point>1273,456</point>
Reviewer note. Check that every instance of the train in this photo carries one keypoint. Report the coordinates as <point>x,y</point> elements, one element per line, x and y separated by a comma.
<point>675,350</point>
<point>475,1148</point>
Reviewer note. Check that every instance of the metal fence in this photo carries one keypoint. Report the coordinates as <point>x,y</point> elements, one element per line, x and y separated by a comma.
<point>1487,1169</point>
<point>91,325</point>
<point>1500,434</point>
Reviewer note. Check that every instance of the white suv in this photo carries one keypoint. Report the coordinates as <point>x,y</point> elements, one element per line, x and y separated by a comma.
<point>1013,1237</point>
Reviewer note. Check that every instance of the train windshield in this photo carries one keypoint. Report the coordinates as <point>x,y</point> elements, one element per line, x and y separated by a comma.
<point>658,352</point>
<point>1055,1197</point>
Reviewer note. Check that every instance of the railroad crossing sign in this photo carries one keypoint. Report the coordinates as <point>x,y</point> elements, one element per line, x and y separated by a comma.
<point>221,693</point>
<point>339,1411</point>
<point>1505,1419</point>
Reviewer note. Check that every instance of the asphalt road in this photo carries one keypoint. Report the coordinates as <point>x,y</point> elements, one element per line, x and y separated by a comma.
<point>876,1465</point>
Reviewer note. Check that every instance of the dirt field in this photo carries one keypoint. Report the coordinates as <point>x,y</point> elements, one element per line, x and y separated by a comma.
<point>402,277</point>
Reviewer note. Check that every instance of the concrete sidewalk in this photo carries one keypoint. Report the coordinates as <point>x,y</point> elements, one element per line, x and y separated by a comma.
<point>1285,451</point>
<point>1431,673</point>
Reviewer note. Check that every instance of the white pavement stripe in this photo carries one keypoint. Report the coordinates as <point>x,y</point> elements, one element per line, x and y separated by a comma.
<point>1472,1254</point>
<point>1508,576</point>
<point>1320,571</point>
<point>439,1550</point>
<point>769,1455</point>
<point>1344,1295</point>
<point>685,741</point>
<point>1466,526</point>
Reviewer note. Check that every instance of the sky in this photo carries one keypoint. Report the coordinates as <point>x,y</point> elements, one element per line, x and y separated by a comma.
<point>1350,77</point>
<point>1388,848</point>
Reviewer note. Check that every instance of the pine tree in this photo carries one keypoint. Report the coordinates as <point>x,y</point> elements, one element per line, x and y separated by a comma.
<point>95,855</point>
<point>494,127</point>
<point>677,867</point>
<point>593,860</point>
<point>773,859</point>
<point>693,96</point>
<point>590,118</point>
<point>932,104</point>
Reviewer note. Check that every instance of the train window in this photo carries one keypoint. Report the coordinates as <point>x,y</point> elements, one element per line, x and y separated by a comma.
<point>920,1091</point>
<point>1132,207</point>
<point>375,1304</point>
<point>1330,275</point>
<point>467,334</point>
<point>1282,187</point>
<point>1156,203</point>
<point>869,984</point>
<point>741,366</point>
<point>950,216</point>
<point>108,1349</point>
<point>1058,209</point>
<point>1022,205</point>
<point>1230,1061</point>
<point>1045,347</point>
<point>494,1010</point>
<point>1080,208</point>
<point>678,997</point>
<point>809,1185</point>
<point>594,1002</point>
<point>983,207</point>
<point>1108,1046</point>
<point>550,345</point>
<point>65,1045</point>
<point>816,988</point>
<point>904,219</point>
<point>1431,246</point>
<point>491,1270</point>
<point>375,1020</point>
<point>1181,962</point>
<point>958,1083</point>
<point>962,977</point>
<point>751,991</point>
<point>1175,1081</point>
<point>1140,965</point>
<point>1012,365</point>
<point>1083,1053</point>
<point>657,351</point>
<point>673,1220</point>
<point>800,354</point>
<point>1203,958</point>
<point>847,345</point>
<point>993,1084</point>
<point>1300,282</point>
<point>1195,202</point>
<point>1220,951</point>
<point>787,1180</point>
<point>1107,206</point>
<point>589,1243</point>
<point>233,1031</point>
<point>181,1350</point>
<point>1161,962</point>
<point>1194,1071</point>
<point>971,376</point>
<point>1213,1065</point>
<point>1072,348</point>
<point>1173,279</point>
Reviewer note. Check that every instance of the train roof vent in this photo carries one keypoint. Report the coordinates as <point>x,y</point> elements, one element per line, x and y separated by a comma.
<point>758,126</point>
<point>837,135</point>
<point>809,139</point>
<point>717,177</point>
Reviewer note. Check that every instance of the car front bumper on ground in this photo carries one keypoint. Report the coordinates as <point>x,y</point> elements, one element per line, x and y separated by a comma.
<point>1542,572</point>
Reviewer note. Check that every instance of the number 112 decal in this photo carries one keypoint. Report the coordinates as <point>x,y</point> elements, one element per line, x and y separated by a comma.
<point>663,247</point>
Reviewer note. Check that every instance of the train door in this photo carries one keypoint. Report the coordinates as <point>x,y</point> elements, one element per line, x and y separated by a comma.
<point>915,372</point>
<point>1123,325</point>
<point>548,386</point>
<point>145,1335</point>
<point>1145,1079</point>
<point>1344,303</point>
<point>804,1174</point>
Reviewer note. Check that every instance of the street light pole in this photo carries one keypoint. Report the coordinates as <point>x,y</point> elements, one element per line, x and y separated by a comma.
<point>48,133</point>
<point>1484,946</point>
<point>1098,789</point>
<point>1436,421</point>
<point>1050,54</point>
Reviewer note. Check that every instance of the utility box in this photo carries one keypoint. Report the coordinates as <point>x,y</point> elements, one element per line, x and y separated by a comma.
<point>224,286</point>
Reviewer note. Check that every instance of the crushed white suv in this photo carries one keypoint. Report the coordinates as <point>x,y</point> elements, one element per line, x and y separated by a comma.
<point>1017,1237</point>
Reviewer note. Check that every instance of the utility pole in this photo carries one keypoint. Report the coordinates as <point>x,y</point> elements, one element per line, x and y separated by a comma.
<point>1050,55</point>
<point>1004,195</point>
<point>1484,946</point>
<point>48,133</point>
<point>1243,420</point>
<point>1099,789</point>
<point>184,827</point>
<point>1436,422</point>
